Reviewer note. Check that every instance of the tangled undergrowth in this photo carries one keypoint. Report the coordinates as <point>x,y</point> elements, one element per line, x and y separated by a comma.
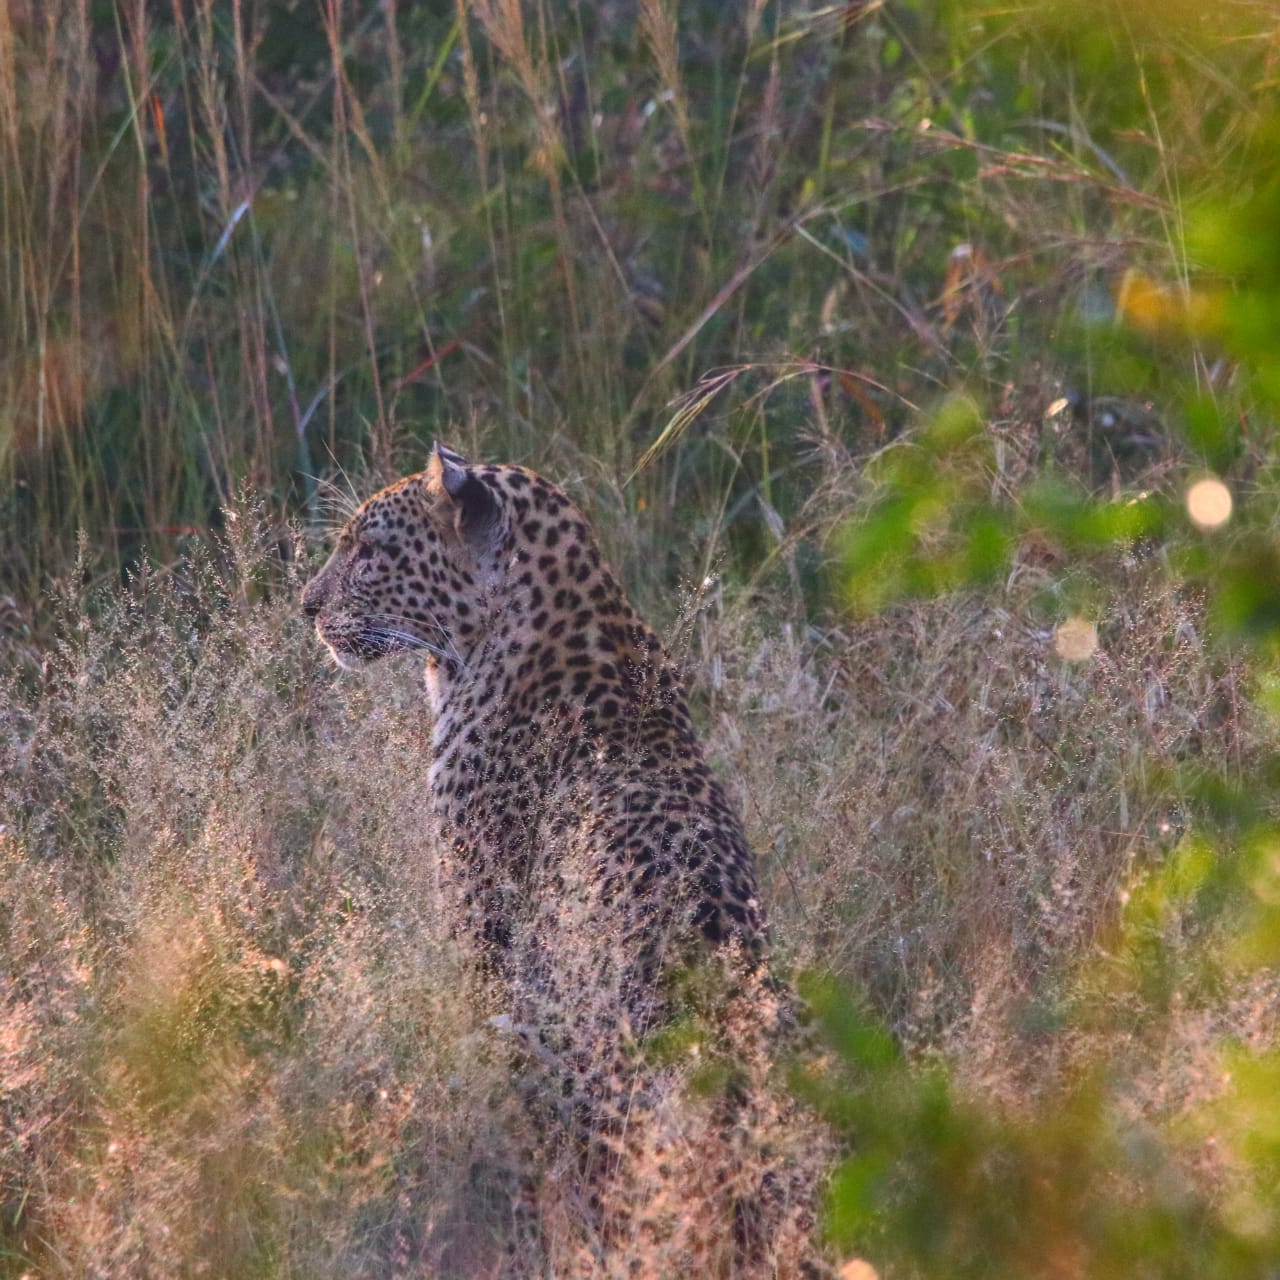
<point>242,1034</point>
<point>242,1038</point>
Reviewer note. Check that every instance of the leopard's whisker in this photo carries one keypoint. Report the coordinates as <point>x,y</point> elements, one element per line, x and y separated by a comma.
<point>336,503</point>
<point>411,641</point>
<point>405,638</point>
<point>399,620</point>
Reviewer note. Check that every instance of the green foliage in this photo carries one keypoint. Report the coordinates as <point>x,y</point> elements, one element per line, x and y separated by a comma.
<point>1077,1182</point>
<point>942,1184</point>
<point>934,528</point>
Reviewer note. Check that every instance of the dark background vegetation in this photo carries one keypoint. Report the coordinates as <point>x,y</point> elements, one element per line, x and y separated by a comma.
<point>884,343</point>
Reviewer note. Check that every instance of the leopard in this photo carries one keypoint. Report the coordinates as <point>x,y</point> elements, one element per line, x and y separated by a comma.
<point>597,854</point>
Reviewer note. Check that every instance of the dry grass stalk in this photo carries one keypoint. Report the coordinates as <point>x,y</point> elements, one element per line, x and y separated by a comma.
<point>658,30</point>
<point>503,22</point>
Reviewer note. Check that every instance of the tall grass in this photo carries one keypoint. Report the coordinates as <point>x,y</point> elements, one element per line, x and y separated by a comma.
<point>234,1043</point>
<point>267,243</point>
<point>714,270</point>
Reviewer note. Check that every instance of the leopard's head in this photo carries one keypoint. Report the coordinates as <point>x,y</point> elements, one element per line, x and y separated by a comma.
<point>417,566</point>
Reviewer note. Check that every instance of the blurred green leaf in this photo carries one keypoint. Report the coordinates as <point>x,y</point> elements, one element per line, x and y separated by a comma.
<point>1247,596</point>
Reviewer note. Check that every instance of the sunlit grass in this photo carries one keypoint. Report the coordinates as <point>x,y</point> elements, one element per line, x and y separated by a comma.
<point>933,345</point>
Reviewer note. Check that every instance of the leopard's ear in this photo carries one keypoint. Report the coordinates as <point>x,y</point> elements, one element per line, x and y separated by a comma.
<point>477,513</point>
<point>446,470</point>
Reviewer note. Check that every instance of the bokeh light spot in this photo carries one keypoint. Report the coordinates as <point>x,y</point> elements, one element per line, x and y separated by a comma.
<point>858,1269</point>
<point>1076,639</point>
<point>1209,503</point>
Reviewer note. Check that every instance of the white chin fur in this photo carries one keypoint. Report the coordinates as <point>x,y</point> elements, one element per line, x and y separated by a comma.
<point>347,661</point>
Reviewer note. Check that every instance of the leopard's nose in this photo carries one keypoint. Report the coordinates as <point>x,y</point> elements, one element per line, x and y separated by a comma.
<point>310,602</point>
